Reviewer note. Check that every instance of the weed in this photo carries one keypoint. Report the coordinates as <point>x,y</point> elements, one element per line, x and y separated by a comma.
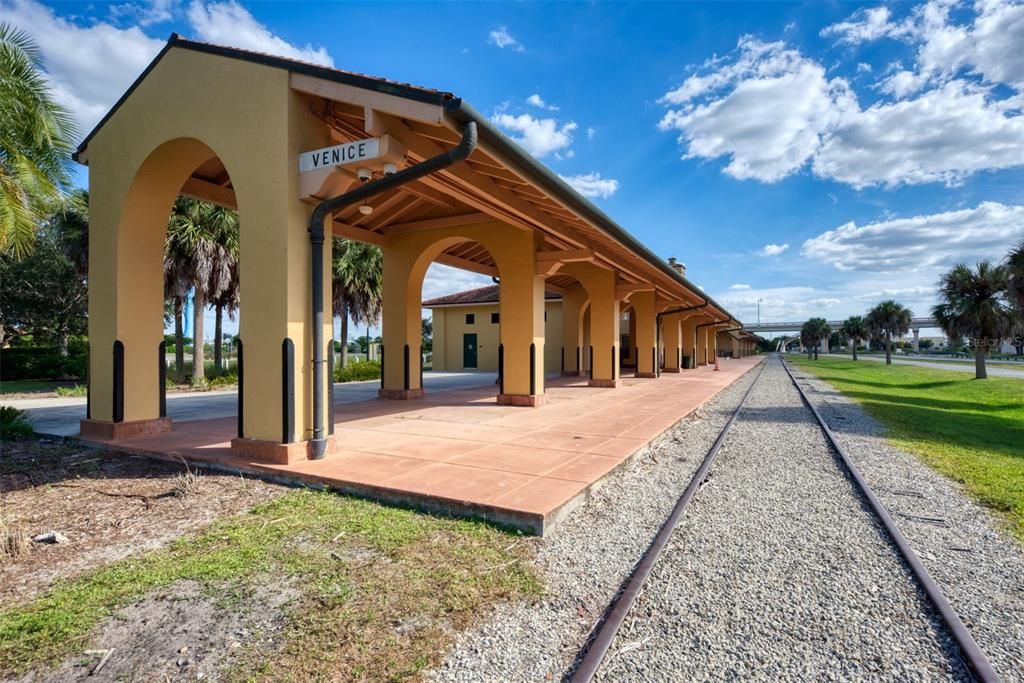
<point>14,423</point>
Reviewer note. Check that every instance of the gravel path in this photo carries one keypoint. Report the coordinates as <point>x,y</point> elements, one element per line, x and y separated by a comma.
<point>778,570</point>
<point>966,549</point>
<point>587,556</point>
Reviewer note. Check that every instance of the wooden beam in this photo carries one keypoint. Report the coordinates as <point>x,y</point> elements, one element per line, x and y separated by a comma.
<point>358,234</point>
<point>548,262</point>
<point>393,104</point>
<point>435,223</point>
<point>473,266</point>
<point>624,290</point>
<point>206,191</point>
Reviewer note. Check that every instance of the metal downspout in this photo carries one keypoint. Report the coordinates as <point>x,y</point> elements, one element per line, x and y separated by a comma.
<point>316,239</point>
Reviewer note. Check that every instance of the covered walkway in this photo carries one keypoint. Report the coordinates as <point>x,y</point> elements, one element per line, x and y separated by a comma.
<point>458,452</point>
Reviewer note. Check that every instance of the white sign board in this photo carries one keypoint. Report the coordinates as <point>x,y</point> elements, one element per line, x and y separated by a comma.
<point>339,155</point>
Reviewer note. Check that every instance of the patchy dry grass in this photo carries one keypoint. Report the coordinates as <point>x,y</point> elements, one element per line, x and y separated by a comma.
<point>380,590</point>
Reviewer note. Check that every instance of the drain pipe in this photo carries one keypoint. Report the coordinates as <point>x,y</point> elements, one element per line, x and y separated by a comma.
<point>316,239</point>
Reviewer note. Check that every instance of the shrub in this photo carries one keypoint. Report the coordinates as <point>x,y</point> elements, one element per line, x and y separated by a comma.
<point>43,362</point>
<point>357,372</point>
<point>226,380</point>
<point>14,423</point>
<point>77,390</point>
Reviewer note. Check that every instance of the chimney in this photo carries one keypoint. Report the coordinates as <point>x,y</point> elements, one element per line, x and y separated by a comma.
<point>677,265</point>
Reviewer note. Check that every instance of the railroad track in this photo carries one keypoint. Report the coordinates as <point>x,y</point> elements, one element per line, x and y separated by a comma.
<point>591,657</point>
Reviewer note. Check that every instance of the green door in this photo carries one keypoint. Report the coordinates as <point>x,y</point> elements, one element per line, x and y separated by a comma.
<point>469,351</point>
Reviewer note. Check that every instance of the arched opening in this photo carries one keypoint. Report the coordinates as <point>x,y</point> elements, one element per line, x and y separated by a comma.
<point>175,247</point>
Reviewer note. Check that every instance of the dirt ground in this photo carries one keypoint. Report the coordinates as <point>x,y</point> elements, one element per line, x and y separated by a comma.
<point>109,505</point>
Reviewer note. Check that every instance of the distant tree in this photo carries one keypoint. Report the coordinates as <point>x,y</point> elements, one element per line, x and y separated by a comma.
<point>974,303</point>
<point>887,320</point>
<point>202,245</point>
<point>35,143</point>
<point>856,330</point>
<point>357,285</point>
<point>925,344</point>
<point>1015,264</point>
<point>428,335</point>
<point>42,294</point>
<point>812,332</point>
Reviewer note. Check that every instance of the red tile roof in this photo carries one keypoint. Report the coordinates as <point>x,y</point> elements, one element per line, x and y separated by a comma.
<point>481,295</point>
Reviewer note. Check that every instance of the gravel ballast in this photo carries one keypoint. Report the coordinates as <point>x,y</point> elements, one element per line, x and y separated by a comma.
<point>965,548</point>
<point>778,569</point>
<point>587,556</point>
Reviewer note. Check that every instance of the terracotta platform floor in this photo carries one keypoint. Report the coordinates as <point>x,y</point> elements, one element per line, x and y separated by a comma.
<point>457,452</point>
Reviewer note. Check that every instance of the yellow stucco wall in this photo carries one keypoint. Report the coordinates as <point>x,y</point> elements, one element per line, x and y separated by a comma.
<point>246,115</point>
<point>450,326</point>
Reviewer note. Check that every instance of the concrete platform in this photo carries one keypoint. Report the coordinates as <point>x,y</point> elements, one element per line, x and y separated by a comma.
<point>457,452</point>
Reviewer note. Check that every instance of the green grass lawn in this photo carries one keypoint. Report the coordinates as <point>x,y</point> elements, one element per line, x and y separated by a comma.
<point>969,430</point>
<point>31,386</point>
<point>358,568</point>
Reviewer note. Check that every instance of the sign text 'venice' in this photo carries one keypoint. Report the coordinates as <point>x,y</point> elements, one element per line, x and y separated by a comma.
<point>339,155</point>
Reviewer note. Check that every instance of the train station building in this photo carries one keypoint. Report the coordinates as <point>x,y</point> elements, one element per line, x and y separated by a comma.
<point>304,153</point>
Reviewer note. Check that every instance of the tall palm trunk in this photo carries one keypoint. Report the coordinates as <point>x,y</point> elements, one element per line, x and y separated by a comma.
<point>179,340</point>
<point>980,371</point>
<point>888,347</point>
<point>344,334</point>
<point>218,340</point>
<point>853,342</point>
<point>198,356</point>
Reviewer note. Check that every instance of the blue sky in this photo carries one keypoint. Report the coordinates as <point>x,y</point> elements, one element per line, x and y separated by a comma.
<point>818,156</point>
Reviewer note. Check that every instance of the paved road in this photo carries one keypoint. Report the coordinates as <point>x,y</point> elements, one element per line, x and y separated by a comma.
<point>994,369</point>
<point>60,416</point>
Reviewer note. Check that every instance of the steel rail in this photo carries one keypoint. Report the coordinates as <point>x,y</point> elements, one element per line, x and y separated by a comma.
<point>597,647</point>
<point>971,653</point>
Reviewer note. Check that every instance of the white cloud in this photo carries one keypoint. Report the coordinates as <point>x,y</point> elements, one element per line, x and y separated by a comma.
<point>795,105</point>
<point>945,135</point>
<point>738,287</point>
<point>773,112</point>
<point>229,23</point>
<point>537,101</point>
<point>591,132</point>
<point>88,67</point>
<point>592,185</point>
<point>773,249</point>
<point>441,280</point>
<point>500,37</point>
<point>539,137</point>
<point>863,25</point>
<point>146,13</point>
<point>987,45</point>
<point>864,68</point>
<point>921,244</point>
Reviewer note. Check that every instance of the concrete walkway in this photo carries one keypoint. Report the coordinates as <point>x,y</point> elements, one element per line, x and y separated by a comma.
<point>458,452</point>
<point>61,416</point>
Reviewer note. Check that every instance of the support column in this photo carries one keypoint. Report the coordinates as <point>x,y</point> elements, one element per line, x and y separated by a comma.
<point>917,340</point>
<point>573,361</point>
<point>604,321</point>
<point>401,327</point>
<point>521,354</point>
<point>672,341</point>
<point>702,345</point>
<point>688,334</point>
<point>645,335</point>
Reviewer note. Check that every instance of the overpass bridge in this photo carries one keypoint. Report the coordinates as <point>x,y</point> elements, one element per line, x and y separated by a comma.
<point>916,324</point>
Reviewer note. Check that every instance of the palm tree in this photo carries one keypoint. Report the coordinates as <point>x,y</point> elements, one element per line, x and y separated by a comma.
<point>201,253</point>
<point>887,320</point>
<point>974,304</point>
<point>812,332</point>
<point>357,285</point>
<point>855,329</point>
<point>1015,264</point>
<point>35,142</point>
